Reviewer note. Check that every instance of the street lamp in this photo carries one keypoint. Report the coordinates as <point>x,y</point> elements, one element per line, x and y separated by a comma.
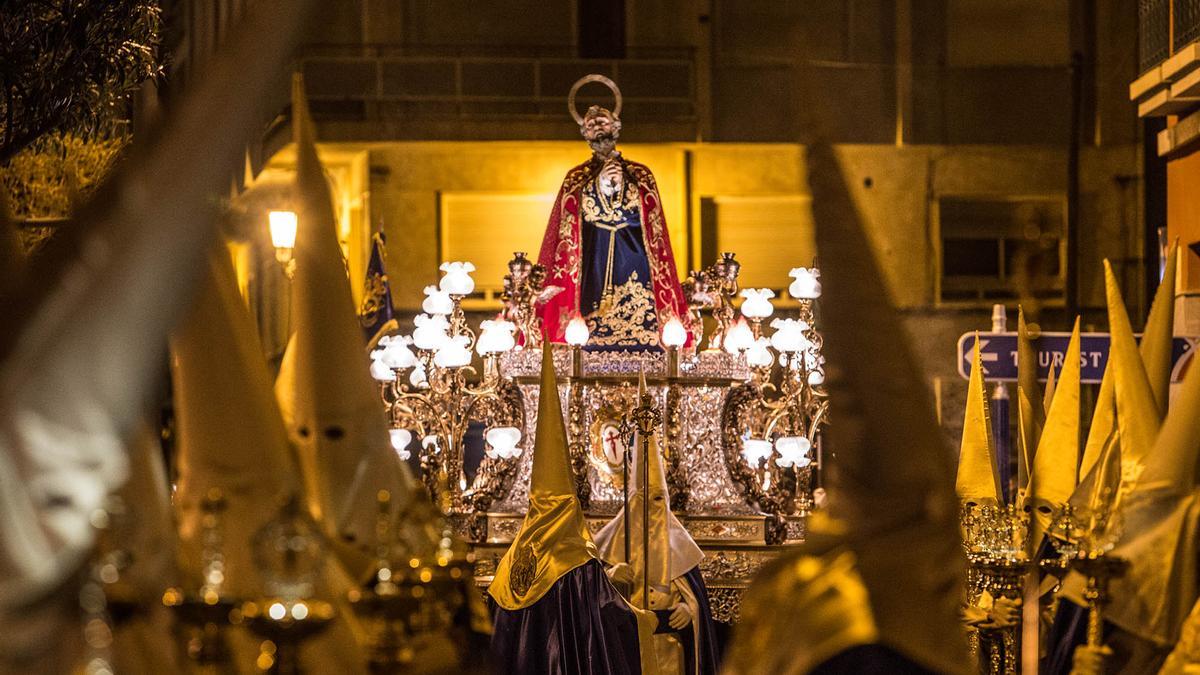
<point>282,225</point>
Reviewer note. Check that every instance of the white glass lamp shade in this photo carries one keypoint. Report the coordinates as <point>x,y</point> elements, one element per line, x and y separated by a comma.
<point>396,353</point>
<point>431,331</point>
<point>759,354</point>
<point>380,370</point>
<point>431,441</point>
<point>495,337</point>
<point>283,228</point>
<point>789,335</point>
<point>502,442</point>
<point>816,377</point>
<point>457,278</point>
<point>740,337</point>
<point>437,301</point>
<point>806,284</point>
<point>755,450</point>
<point>674,334</point>
<point>400,440</point>
<point>417,377</point>
<point>577,332</point>
<point>793,451</point>
<point>758,303</point>
<point>454,353</point>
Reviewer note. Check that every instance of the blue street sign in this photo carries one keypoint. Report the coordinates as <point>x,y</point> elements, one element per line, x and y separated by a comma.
<point>998,354</point>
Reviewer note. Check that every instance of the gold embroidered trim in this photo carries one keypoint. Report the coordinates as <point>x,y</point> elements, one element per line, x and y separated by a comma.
<point>523,571</point>
<point>630,317</point>
<point>373,299</point>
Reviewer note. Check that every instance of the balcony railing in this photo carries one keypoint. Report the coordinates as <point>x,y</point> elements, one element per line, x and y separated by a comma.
<point>1186,19</point>
<point>1154,32</point>
<point>380,83</point>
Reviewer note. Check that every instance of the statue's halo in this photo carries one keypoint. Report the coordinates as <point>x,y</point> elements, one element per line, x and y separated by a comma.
<point>594,77</point>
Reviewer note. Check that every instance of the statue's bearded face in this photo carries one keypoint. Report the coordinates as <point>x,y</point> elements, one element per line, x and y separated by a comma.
<point>601,131</point>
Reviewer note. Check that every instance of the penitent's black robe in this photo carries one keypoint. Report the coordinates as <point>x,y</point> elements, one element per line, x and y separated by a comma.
<point>581,626</point>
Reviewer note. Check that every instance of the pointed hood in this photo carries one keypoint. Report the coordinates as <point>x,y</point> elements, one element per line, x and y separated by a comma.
<point>881,524</point>
<point>553,538</point>
<point>1048,393</point>
<point>1137,413</point>
<point>230,435</point>
<point>1056,463</point>
<point>1103,440</point>
<point>1161,527</point>
<point>330,405</point>
<point>673,552</point>
<point>1103,429</point>
<point>977,480</point>
<point>1157,339</point>
<point>1030,416</point>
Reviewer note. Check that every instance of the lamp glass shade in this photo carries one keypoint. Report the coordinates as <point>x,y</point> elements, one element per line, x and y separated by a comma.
<point>759,354</point>
<point>457,278</point>
<point>417,378</point>
<point>755,450</point>
<point>395,352</point>
<point>437,301</point>
<point>757,304</point>
<point>789,335</point>
<point>806,284</point>
<point>283,228</point>
<point>577,332</point>
<point>495,337</point>
<point>430,331</point>
<point>455,352</point>
<point>674,334</point>
<point>792,450</point>
<point>503,441</point>
<point>400,440</point>
<point>380,370</point>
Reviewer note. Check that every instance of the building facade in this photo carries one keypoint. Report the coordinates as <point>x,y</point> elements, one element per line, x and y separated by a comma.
<point>991,146</point>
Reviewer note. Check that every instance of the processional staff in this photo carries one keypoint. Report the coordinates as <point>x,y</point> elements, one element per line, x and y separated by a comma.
<point>647,418</point>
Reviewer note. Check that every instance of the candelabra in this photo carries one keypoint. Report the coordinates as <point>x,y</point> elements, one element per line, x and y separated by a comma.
<point>771,430</point>
<point>431,392</point>
<point>289,551</point>
<point>995,539</point>
<point>418,585</point>
<point>1084,543</point>
<point>209,611</point>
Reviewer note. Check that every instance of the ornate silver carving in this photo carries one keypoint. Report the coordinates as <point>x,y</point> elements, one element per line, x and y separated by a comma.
<point>735,566</point>
<point>725,604</point>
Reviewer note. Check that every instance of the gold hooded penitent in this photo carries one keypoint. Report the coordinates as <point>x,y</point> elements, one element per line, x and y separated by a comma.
<point>1056,462</point>
<point>1137,414</point>
<point>976,481</point>
<point>553,538</point>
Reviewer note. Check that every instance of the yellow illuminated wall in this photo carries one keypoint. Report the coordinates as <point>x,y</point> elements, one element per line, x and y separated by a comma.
<point>481,201</point>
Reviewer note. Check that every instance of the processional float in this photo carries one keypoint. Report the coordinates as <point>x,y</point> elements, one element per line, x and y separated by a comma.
<point>741,413</point>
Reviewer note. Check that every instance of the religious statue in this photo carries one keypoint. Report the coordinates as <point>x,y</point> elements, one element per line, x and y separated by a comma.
<point>606,246</point>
